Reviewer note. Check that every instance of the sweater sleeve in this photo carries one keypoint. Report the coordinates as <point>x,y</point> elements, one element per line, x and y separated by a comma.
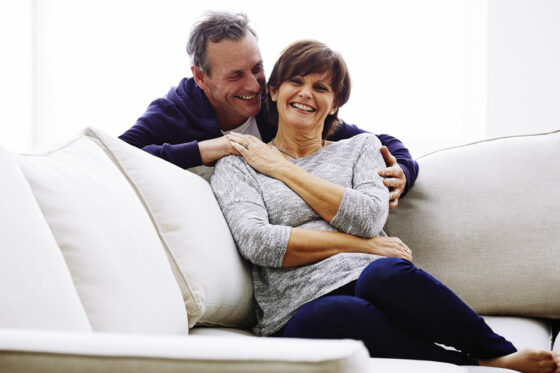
<point>155,127</point>
<point>241,201</point>
<point>395,146</point>
<point>364,207</point>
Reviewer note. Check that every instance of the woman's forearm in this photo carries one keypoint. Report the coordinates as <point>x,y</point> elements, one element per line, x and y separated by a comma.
<point>306,246</point>
<point>322,196</point>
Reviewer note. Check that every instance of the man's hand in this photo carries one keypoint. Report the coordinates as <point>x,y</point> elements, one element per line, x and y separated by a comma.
<point>393,177</point>
<point>214,149</point>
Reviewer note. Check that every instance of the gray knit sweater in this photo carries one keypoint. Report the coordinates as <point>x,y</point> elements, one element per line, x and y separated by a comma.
<point>261,210</point>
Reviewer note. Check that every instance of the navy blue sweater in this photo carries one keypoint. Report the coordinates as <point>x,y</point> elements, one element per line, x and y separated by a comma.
<point>172,126</point>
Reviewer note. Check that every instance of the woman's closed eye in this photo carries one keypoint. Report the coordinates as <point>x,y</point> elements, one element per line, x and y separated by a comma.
<point>296,80</point>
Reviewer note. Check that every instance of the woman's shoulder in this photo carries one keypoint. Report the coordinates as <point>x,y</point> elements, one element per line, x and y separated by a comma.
<point>229,163</point>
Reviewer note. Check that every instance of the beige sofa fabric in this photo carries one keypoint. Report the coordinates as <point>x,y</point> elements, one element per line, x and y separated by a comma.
<point>485,220</point>
<point>214,280</point>
<point>523,332</point>
<point>36,290</point>
<point>22,351</point>
<point>116,259</point>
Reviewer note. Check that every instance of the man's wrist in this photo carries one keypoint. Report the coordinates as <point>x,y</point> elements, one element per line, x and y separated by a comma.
<point>214,149</point>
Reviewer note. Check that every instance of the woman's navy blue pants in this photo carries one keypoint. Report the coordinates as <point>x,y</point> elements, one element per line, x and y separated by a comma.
<point>400,311</point>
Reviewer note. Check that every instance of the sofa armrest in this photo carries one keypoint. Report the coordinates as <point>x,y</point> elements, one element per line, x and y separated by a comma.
<point>48,351</point>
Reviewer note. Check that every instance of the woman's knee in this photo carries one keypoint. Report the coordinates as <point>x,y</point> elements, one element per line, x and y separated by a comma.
<point>388,269</point>
<point>383,274</point>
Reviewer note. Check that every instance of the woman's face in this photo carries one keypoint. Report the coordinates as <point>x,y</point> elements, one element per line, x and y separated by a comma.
<point>305,101</point>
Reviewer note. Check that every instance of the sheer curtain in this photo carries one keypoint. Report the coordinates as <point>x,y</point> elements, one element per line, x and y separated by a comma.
<point>419,68</point>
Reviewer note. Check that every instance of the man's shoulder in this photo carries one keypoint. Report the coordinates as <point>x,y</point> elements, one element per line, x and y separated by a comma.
<point>359,141</point>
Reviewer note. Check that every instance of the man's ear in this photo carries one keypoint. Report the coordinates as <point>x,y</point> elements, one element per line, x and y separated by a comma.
<point>199,76</point>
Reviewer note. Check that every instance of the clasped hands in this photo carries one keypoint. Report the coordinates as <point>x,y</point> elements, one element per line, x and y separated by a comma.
<point>264,158</point>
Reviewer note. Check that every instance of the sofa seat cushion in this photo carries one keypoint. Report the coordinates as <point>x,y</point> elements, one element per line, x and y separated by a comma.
<point>23,351</point>
<point>36,289</point>
<point>215,281</point>
<point>483,219</point>
<point>423,366</point>
<point>116,259</point>
<point>523,332</point>
<point>220,332</point>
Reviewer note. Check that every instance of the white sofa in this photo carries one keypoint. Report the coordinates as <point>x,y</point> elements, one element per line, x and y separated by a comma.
<point>114,260</point>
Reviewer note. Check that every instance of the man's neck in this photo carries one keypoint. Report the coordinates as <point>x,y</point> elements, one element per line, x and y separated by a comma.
<point>228,126</point>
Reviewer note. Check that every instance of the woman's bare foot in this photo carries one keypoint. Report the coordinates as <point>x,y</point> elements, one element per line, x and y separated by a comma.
<point>527,361</point>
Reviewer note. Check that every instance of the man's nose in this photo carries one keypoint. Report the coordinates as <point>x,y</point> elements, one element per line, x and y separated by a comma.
<point>252,83</point>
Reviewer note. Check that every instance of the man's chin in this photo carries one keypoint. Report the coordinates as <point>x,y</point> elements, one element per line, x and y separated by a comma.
<point>251,110</point>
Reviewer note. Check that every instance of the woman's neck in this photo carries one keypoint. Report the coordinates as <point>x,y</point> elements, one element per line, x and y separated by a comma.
<point>298,145</point>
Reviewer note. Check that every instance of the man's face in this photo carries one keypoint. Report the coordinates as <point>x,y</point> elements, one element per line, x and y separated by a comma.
<point>236,79</point>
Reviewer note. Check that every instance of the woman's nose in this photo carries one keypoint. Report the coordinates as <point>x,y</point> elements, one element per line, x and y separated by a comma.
<point>305,91</point>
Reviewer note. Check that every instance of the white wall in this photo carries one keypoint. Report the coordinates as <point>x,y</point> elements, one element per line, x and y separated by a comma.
<point>433,73</point>
<point>101,63</point>
<point>523,66</point>
<point>16,75</point>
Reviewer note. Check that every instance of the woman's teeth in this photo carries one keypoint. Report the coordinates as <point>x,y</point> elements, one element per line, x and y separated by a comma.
<point>302,107</point>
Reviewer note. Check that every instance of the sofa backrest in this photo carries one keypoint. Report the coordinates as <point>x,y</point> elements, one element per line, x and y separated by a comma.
<point>115,257</point>
<point>484,218</point>
<point>36,289</point>
<point>214,280</point>
<point>117,240</point>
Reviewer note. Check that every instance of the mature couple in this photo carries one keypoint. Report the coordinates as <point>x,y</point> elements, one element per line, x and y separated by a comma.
<point>306,197</point>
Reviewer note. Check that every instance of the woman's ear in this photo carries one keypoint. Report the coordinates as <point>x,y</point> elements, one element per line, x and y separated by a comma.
<point>273,94</point>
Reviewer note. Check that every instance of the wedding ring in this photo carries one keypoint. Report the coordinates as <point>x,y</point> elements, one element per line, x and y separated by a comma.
<point>246,146</point>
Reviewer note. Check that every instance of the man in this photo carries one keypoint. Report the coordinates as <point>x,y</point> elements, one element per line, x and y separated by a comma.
<point>225,94</point>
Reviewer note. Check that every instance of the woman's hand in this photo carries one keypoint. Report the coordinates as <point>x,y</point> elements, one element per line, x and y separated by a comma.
<point>264,158</point>
<point>391,247</point>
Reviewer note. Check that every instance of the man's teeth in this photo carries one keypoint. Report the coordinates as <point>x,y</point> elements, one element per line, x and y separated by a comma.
<point>303,107</point>
<point>247,97</point>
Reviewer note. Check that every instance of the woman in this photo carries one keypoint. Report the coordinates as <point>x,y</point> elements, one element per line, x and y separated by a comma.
<point>309,215</point>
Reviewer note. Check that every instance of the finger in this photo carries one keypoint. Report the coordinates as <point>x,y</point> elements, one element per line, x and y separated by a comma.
<point>387,156</point>
<point>237,137</point>
<point>240,148</point>
<point>393,182</point>
<point>394,194</point>
<point>393,171</point>
<point>234,138</point>
<point>393,204</point>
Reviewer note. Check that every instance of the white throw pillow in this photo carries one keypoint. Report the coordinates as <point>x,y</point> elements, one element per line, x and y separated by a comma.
<point>215,281</point>
<point>116,259</point>
<point>36,290</point>
<point>484,218</point>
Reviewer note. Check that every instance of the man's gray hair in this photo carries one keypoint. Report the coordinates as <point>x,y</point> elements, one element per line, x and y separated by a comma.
<point>215,27</point>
